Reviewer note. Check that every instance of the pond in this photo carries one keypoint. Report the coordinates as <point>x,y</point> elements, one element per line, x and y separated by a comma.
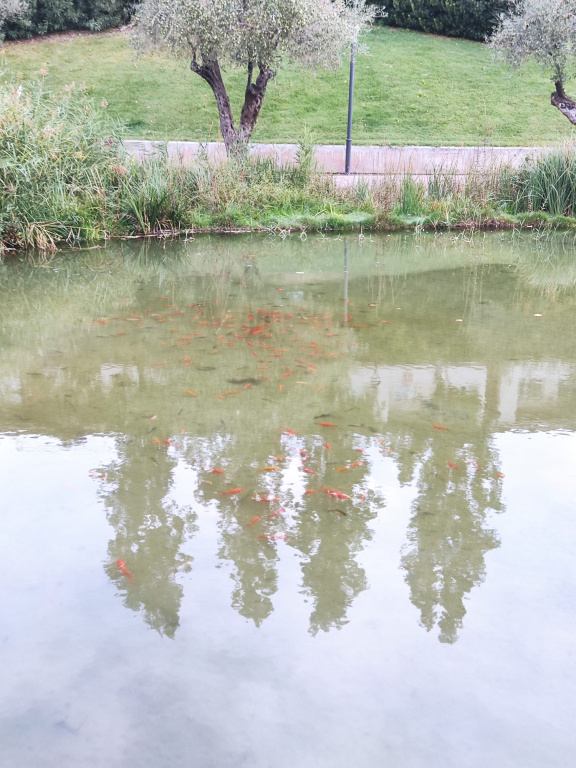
<point>290,502</point>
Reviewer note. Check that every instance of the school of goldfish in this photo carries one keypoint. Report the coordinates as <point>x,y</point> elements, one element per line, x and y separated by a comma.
<point>257,334</point>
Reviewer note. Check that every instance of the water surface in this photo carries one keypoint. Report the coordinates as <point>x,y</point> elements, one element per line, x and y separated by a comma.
<point>396,589</point>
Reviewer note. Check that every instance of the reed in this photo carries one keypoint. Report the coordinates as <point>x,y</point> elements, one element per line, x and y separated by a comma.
<point>65,178</point>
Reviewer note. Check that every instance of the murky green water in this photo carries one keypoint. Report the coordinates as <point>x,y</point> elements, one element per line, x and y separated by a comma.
<point>396,590</point>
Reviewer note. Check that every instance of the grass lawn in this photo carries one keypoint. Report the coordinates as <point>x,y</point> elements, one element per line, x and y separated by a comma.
<point>411,89</point>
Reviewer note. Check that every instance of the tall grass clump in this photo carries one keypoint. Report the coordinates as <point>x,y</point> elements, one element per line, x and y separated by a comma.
<point>547,183</point>
<point>58,163</point>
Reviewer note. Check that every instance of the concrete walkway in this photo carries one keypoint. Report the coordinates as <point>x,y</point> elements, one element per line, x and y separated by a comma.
<point>366,161</point>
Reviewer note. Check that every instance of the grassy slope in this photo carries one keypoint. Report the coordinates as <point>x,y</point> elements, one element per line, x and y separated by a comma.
<point>412,89</point>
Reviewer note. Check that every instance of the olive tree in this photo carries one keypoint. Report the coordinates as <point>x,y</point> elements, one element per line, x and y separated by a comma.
<point>543,31</point>
<point>256,35</point>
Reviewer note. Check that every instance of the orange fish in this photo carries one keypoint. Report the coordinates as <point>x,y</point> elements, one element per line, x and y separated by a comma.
<point>155,439</point>
<point>288,431</point>
<point>122,566</point>
<point>335,494</point>
<point>189,392</point>
<point>443,429</point>
<point>452,465</point>
<point>221,397</point>
<point>254,520</point>
<point>216,471</point>
<point>277,512</point>
<point>309,491</point>
<point>326,424</point>
<point>234,490</point>
<point>499,474</point>
<point>327,445</point>
<point>268,469</point>
<point>308,471</point>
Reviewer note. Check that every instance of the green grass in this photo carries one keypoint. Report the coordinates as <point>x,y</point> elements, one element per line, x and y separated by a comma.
<point>411,89</point>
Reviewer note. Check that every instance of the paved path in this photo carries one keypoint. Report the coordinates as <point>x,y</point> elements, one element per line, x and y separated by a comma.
<point>420,161</point>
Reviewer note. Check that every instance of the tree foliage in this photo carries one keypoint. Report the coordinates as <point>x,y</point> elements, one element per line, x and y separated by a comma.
<point>253,34</point>
<point>543,31</point>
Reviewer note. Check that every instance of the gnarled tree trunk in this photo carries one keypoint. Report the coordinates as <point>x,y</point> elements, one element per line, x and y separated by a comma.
<point>235,141</point>
<point>564,103</point>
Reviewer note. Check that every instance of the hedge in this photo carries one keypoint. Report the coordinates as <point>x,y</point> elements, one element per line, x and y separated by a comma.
<point>45,16</point>
<point>473,19</point>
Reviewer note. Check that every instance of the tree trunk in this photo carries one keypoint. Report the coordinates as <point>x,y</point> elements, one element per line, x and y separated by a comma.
<point>253,98</point>
<point>210,72</point>
<point>235,140</point>
<point>564,103</point>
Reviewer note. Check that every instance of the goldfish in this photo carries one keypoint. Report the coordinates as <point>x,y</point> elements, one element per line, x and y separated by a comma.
<point>234,490</point>
<point>221,397</point>
<point>326,424</point>
<point>267,469</point>
<point>288,431</point>
<point>451,465</point>
<point>277,512</point>
<point>308,471</point>
<point>309,491</point>
<point>216,471</point>
<point>189,392</point>
<point>254,520</point>
<point>266,499</point>
<point>122,567</point>
<point>155,440</point>
<point>443,429</point>
<point>327,445</point>
<point>499,474</point>
<point>335,494</point>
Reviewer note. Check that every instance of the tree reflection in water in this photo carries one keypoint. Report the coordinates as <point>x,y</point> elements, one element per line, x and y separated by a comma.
<point>389,376</point>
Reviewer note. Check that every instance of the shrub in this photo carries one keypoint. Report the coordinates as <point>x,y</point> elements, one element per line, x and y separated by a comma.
<point>473,19</point>
<point>45,16</point>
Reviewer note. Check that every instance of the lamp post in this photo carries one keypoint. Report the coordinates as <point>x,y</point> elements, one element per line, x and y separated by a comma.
<point>350,100</point>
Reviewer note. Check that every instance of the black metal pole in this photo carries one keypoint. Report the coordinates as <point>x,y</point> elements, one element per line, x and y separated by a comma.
<point>350,108</point>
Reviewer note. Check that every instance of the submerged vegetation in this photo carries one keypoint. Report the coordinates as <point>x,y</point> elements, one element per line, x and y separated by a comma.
<point>64,177</point>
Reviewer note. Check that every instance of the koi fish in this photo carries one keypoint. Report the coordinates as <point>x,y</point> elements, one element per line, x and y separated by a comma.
<point>167,441</point>
<point>216,471</point>
<point>288,431</point>
<point>442,429</point>
<point>335,494</point>
<point>279,458</point>
<point>254,520</point>
<point>309,491</point>
<point>122,567</point>
<point>308,471</point>
<point>499,474</point>
<point>303,453</point>
<point>221,397</point>
<point>277,512</point>
<point>266,500</point>
<point>326,424</point>
<point>155,440</point>
<point>451,465</point>
<point>327,445</point>
<point>268,469</point>
<point>355,464</point>
<point>189,392</point>
<point>234,490</point>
